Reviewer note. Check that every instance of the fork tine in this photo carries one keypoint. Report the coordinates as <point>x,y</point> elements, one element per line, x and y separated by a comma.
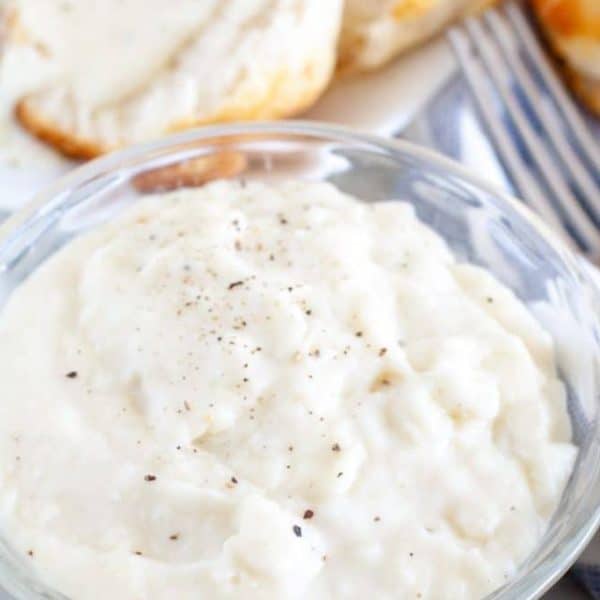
<point>547,113</point>
<point>514,12</point>
<point>548,169</point>
<point>528,187</point>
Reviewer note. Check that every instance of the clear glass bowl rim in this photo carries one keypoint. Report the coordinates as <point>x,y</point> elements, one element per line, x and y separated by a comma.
<point>534,582</point>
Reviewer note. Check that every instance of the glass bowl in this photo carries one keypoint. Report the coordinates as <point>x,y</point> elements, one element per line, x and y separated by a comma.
<point>480,224</point>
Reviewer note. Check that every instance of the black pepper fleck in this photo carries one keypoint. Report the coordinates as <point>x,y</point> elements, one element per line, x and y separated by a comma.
<point>234,284</point>
<point>308,514</point>
<point>234,480</point>
<point>150,477</point>
<point>297,530</point>
<point>336,447</point>
<point>72,374</point>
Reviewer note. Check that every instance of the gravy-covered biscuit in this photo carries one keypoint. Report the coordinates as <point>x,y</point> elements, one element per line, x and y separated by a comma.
<point>109,82</point>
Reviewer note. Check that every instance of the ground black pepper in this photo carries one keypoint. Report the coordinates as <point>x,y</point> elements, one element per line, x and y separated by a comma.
<point>297,530</point>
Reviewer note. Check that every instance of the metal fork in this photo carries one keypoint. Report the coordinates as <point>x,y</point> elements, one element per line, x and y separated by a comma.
<point>538,133</point>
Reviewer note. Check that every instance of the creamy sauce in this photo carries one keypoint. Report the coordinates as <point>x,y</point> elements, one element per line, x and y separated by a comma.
<point>274,392</point>
<point>107,49</point>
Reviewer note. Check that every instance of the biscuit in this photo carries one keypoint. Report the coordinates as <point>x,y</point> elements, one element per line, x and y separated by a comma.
<point>154,70</point>
<point>194,172</point>
<point>572,28</point>
<point>375,31</point>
